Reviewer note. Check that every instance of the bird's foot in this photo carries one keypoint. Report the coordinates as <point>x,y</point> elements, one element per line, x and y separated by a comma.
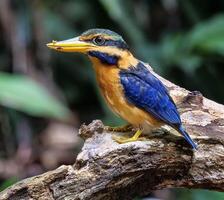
<point>125,128</point>
<point>135,137</point>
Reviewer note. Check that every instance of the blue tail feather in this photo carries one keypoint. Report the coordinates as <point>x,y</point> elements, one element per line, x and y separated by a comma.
<point>187,137</point>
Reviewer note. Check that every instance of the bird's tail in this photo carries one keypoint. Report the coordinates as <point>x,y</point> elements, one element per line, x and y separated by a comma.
<point>187,137</point>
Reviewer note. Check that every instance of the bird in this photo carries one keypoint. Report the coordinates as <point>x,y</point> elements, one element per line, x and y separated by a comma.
<point>130,89</point>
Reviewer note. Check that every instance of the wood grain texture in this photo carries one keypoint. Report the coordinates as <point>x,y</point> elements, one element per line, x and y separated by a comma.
<point>105,169</point>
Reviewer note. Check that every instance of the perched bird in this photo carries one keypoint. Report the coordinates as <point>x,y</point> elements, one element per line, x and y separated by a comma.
<point>128,86</point>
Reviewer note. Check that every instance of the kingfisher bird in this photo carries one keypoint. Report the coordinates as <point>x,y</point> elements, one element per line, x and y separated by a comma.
<point>128,86</point>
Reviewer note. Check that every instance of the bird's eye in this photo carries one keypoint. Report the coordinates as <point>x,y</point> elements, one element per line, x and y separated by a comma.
<point>98,40</point>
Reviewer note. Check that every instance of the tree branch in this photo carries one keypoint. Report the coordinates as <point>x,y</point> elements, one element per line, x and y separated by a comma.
<point>107,170</point>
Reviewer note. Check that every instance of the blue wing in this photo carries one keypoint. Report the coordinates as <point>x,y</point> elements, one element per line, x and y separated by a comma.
<point>147,92</point>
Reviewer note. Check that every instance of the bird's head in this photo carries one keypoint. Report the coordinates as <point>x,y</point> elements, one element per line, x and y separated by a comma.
<point>101,45</point>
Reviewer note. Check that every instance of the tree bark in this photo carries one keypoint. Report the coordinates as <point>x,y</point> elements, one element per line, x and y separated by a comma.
<point>105,169</point>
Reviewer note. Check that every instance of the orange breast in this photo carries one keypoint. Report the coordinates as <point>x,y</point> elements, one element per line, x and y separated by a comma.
<point>109,83</point>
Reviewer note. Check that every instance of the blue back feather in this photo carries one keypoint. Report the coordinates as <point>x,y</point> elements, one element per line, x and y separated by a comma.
<point>144,90</point>
<point>147,92</point>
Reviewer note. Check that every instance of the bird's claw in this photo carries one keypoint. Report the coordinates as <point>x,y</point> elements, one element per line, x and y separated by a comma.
<point>135,137</point>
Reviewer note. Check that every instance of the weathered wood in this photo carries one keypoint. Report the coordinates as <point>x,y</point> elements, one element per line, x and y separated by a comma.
<point>107,170</point>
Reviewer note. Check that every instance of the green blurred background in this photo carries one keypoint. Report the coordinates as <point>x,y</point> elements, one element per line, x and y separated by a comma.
<point>46,95</point>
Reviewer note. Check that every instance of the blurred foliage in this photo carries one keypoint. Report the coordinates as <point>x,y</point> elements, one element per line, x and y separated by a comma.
<point>182,40</point>
<point>22,93</point>
<point>208,37</point>
<point>186,194</point>
<point>7,183</point>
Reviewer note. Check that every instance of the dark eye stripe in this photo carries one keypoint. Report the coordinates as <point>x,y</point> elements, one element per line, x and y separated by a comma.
<point>119,44</point>
<point>115,43</point>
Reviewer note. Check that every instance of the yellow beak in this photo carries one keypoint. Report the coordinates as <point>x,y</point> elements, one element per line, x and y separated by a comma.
<point>71,45</point>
